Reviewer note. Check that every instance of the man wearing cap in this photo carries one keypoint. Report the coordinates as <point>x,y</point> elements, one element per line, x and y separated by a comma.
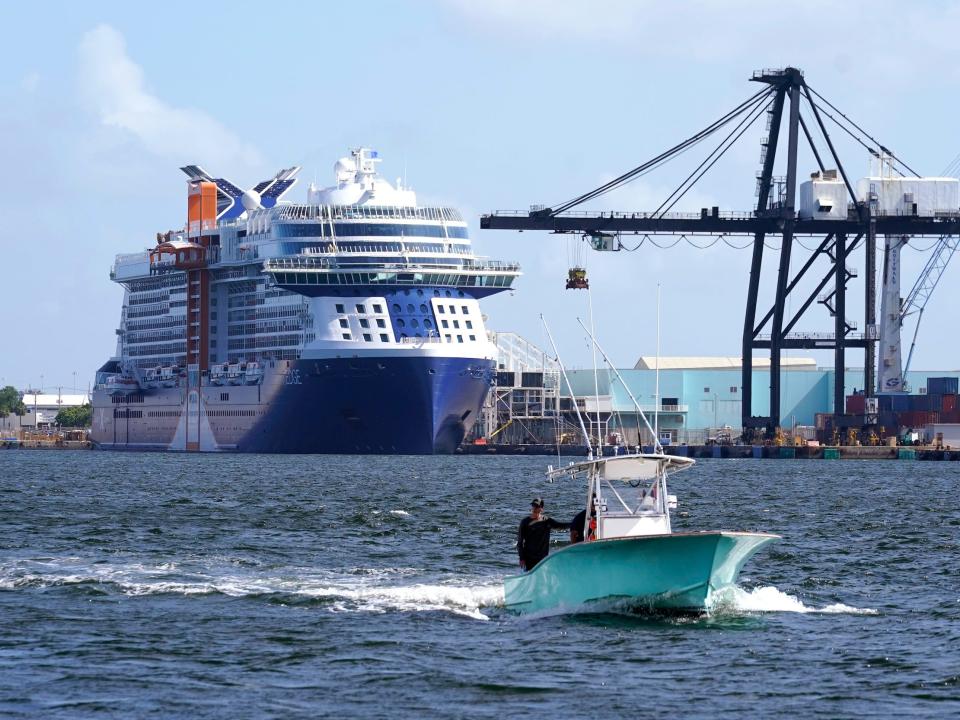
<point>533,538</point>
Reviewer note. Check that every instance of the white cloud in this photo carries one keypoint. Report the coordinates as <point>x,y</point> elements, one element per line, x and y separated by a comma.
<point>113,87</point>
<point>885,40</point>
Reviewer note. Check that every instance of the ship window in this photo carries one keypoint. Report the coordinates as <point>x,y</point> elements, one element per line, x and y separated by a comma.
<point>459,338</point>
<point>384,338</point>
<point>346,336</point>
<point>465,309</point>
<point>367,337</point>
<point>361,309</point>
<point>396,307</point>
<point>340,308</point>
<point>445,323</point>
<point>469,325</point>
<point>401,322</point>
<point>414,323</point>
<point>381,322</point>
<point>427,323</point>
<point>423,308</point>
<point>473,338</point>
<point>733,388</point>
<point>456,323</point>
<point>378,308</point>
<point>448,293</point>
<point>410,308</point>
<point>448,338</point>
<point>440,308</point>
<point>452,310</point>
<point>364,323</point>
<point>344,323</point>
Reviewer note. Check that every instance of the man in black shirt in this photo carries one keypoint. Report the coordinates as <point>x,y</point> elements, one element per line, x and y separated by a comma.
<point>533,538</point>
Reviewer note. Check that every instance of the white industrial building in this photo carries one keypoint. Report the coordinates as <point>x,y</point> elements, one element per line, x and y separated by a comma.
<point>42,409</point>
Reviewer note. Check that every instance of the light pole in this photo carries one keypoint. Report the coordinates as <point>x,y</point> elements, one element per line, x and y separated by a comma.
<point>715,402</point>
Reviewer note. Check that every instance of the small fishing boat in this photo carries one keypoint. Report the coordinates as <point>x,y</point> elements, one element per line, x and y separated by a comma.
<point>630,552</point>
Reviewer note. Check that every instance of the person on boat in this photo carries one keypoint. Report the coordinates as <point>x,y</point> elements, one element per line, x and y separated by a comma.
<point>533,537</point>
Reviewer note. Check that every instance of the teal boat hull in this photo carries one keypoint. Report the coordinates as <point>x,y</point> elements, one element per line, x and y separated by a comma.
<point>675,572</point>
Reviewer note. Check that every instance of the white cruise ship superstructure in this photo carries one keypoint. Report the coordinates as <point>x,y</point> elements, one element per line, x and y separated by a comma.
<point>348,324</point>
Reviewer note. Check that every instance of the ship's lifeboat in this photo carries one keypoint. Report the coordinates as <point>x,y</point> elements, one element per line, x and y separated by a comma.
<point>235,374</point>
<point>253,373</point>
<point>121,385</point>
<point>218,374</point>
<point>168,376</point>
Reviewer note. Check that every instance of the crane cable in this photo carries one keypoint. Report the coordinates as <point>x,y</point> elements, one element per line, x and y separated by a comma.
<point>862,131</point>
<point>667,155</point>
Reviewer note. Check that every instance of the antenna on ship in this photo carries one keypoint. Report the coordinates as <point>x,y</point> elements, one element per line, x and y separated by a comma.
<point>596,379</point>
<point>563,370</point>
<point>657,448</point>
<point>656,407</point>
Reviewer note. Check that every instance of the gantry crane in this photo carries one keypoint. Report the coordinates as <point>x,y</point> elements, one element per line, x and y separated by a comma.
<point>774,215</point>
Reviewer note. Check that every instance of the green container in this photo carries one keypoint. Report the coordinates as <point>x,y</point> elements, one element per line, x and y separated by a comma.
<point>831,453</point>
<point>906,454</point>
<point>788,453</point>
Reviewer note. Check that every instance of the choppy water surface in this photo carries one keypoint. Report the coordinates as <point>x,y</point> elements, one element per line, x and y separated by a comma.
<point>254,586</point>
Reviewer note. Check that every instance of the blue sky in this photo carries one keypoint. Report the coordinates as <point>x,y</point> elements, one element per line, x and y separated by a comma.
<point>482,105</point>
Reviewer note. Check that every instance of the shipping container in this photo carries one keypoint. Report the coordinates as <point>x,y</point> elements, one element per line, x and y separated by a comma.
<point>942,385</point>
<point>856,404</point>
<point>901,402</point>
<point>949,403</point>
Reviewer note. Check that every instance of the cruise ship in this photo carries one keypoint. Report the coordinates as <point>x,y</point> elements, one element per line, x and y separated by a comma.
<point>347,324</point>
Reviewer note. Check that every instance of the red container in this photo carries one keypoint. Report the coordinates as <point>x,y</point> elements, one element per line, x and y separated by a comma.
<point>856,404</point>
<point>949,403</point>
<point>917,418</point>
<point>952,416</point>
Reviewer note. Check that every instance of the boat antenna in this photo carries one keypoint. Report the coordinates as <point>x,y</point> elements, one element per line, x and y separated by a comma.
<point>596,381</point>
<point>656,392</point>
<point>569,386</point>
<point>657,448</point>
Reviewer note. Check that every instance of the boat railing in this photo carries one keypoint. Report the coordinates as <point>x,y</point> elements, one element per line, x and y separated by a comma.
<point>304,262</point>
<point>362,212</point>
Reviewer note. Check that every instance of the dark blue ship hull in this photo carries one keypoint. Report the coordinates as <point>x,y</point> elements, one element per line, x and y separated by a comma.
<point>390,405</point>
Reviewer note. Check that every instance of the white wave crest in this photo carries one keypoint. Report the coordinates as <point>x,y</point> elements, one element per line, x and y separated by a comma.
<point>734,599</point>
<point>349,590</point>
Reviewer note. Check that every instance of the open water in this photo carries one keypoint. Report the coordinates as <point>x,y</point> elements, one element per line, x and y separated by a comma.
<point>305,586</point>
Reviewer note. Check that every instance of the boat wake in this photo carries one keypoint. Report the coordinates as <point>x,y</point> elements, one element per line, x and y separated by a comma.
<point>735,600</point>
<point>376,590</point>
